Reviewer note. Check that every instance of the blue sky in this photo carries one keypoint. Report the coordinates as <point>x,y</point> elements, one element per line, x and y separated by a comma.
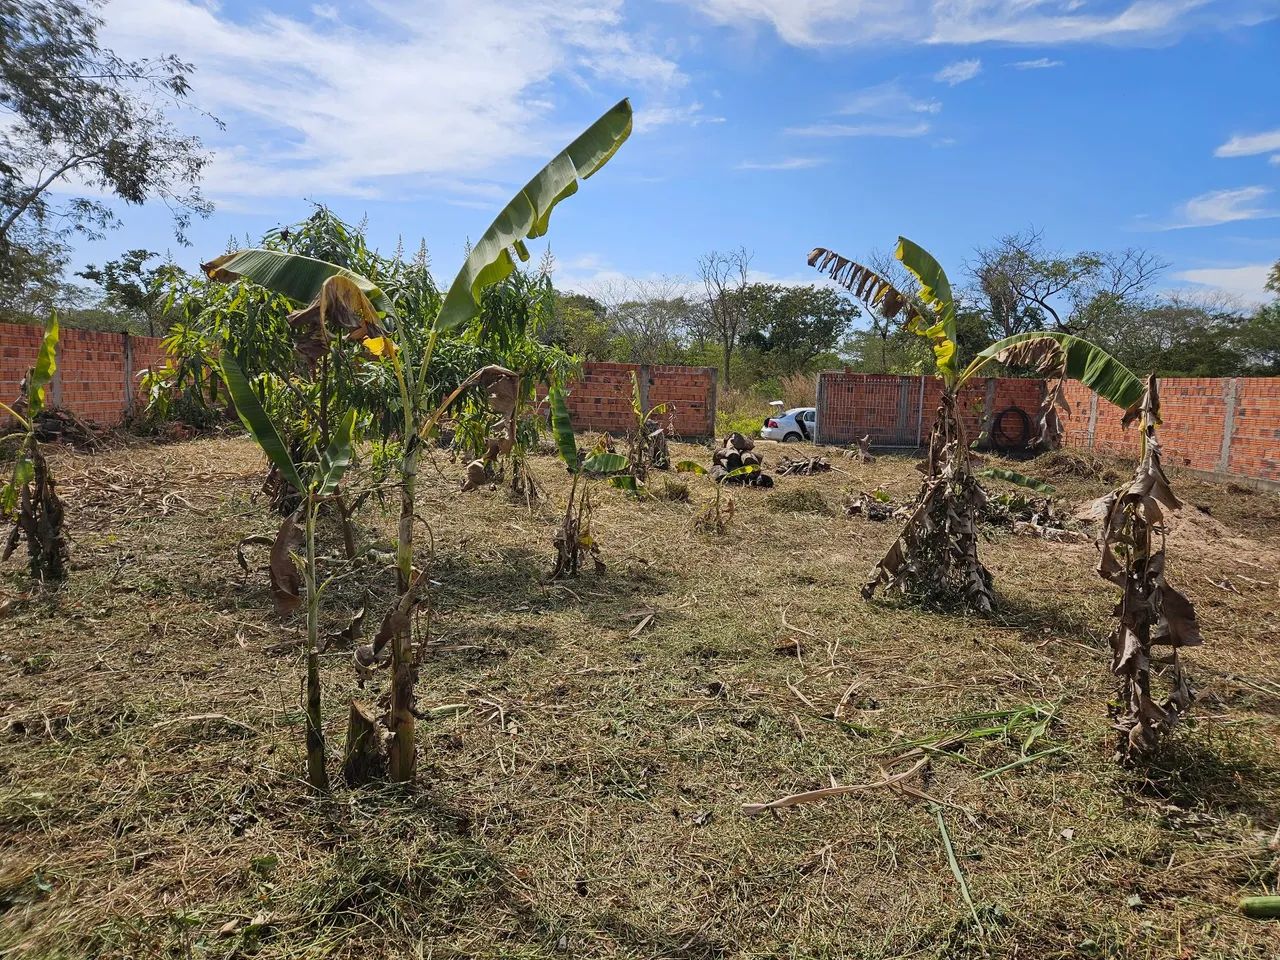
<point>774,124</point>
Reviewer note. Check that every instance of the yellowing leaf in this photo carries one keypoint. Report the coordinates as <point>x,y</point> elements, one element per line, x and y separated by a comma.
<point>380,346</point>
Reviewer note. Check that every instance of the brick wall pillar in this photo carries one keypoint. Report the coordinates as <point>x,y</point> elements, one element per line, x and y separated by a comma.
<point>1228,423</point>
<point>127,350</point>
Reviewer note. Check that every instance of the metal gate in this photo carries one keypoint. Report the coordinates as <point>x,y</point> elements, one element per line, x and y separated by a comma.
<point>888,408</point>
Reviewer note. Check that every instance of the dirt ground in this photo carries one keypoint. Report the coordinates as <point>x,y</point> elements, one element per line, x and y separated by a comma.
<point>582,780</point>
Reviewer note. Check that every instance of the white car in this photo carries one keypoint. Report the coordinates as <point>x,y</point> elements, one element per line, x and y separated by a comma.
<point>790,426</point>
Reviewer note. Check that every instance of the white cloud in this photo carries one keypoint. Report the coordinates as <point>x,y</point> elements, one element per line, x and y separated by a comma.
<point>887,100</point>
<point>1225,206</point>
<point>649,118</point>
<point>860,130</point>
<point>959,72</point>
<point>1043,63</point>
<point>1275,160</point>
<point>1247,282</point>
<point>817,23</point>
<point>1250,144</point>
<point>420,95</point>
<point>791,163</point>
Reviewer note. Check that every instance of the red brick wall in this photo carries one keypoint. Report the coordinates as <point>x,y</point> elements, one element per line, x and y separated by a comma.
<point>1196,412</point>
<point>898,411</point>
<point>690,396</point>
<point>91,381</point>
<point>91,376</point>
<point>601,398</point>
<point>19,346</point>
<point>91,368</point>
<point>1255,436</point>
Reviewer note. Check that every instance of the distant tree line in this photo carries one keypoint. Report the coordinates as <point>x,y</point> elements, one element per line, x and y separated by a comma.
<point>78,117</point>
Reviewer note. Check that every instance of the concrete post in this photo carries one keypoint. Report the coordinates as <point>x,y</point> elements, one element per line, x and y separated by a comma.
<point>129,395</point>
<point>642,384</point>
<point>711,405</point>
<point>1093,420</point>
<point>1228,423</point>
<point>988,412</point>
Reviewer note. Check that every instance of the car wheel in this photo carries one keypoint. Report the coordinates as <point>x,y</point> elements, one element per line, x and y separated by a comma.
<point>792,437</point>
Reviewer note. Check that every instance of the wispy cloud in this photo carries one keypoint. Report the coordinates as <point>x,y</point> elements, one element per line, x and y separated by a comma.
<point>1224,206</point>
<point>887,100</point>
<point>1247,282</point>
<point>1248,145</point>
<point>1042,63</point>
<point>649,118</point>
<point>399,96</point>
<point>883,111</point>
<point>860,130</point>
<point>824,23</point>
<point>791,163</point>
<point>961,71</point>
<point>1275,160</point>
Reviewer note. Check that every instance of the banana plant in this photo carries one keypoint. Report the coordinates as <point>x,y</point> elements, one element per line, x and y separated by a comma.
<point>30,497</point>
<point>1151,611</point>
<point>305,280</point>
<point>647,442</point>
<point>314,483</point>
<point>574,540</point>
<point>715,518</point>
<point>936,556</point>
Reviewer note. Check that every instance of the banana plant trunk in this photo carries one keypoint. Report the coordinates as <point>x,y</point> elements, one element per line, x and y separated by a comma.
<point>317,775</point>
<point>402,755</point>
<point>936,555</point>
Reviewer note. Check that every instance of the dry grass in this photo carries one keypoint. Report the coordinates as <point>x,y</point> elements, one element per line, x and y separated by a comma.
<point>584,800</point>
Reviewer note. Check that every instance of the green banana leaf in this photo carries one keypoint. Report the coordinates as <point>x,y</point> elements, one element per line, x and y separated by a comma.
<point>935,290</point>
<point>297,277</point>
<point>526,216</point>
<point>258,424</point>
<point>741,471</point>
<point>1022,480</point>
<point>1079,360</point>
<point>604,463</point>
<point>689,466</point>
<point>46,365</point>
<point>24,471</point>
<point>562,427</point>
<point>337,458</point>
<point>625,482</point>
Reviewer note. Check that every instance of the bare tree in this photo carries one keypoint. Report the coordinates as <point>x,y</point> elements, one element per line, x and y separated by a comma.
<point>652,316</point>
<point>724,279</point>
<point>1029,287</point>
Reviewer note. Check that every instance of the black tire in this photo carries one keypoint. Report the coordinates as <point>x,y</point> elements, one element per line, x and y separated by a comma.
<point>792,437</point>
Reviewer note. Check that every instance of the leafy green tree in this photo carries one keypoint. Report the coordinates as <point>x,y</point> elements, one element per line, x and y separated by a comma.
<point>31,282</point>
<point>78,113</point>
<point>1258,342</point>
<point>132,287</point>
<point>795,325</point>
<point>580,325</point>
<point>1176,337</point>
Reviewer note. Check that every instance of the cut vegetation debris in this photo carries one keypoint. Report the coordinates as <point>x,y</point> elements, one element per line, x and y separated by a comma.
<point>736,461</point>
<point>802,467</point>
